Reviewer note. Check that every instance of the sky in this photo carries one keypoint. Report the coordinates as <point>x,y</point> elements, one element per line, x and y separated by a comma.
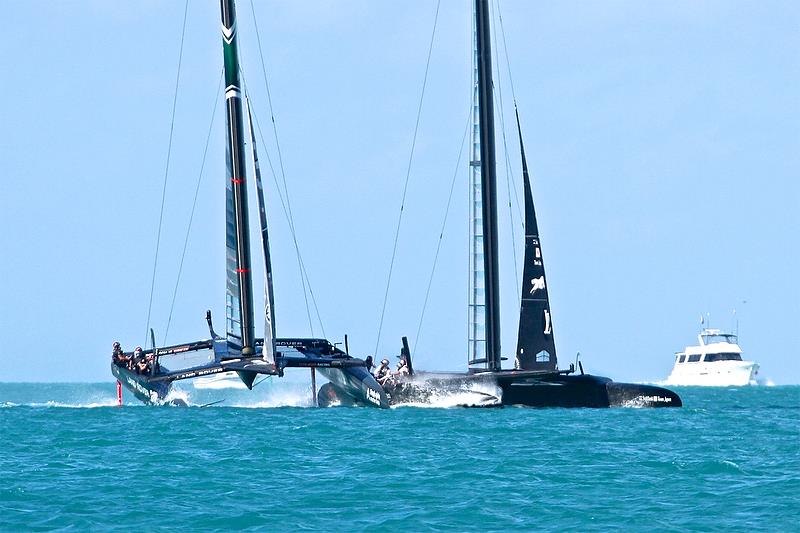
<point>662,137</point>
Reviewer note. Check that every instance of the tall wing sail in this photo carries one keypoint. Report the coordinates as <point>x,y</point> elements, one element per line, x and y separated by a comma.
<point>476,333</point>
<point>233,319</point>
<point>269,301</point>
<point>536,348</point>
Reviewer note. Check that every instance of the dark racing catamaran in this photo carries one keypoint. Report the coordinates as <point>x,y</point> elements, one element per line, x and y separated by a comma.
<point>149,378</point>
<point>535,379</point>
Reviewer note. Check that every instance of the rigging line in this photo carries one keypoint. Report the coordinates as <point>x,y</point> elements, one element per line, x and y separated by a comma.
<point>505,51</point>
<point>166,170</point>
<point>194,202</point>
<point>513,95</point>
<point>288,220</point>
<point>280,163</point>
<point>408,175</point>
<point>260,381</point>
<point>287,215</point>
<point>508,180</point>
<point>441,233</point>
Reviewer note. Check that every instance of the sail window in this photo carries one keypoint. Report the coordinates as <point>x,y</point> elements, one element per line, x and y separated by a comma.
<point>711,357</point>
<point>543,357</point>
<point>694,358</point>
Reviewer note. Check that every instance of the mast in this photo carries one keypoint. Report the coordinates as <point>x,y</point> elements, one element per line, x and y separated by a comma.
<point>239,303</point>
<point>476,335</point>
<point>268,352</point>
<point>489,188</point>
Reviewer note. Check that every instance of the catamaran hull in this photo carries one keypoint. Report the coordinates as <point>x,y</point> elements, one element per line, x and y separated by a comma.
<point>583,391</point>
<point>149,392</point>
<point>353,385</point>
<point>530,389</point>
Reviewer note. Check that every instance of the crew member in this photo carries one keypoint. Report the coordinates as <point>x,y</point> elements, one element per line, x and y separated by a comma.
<point>117,355</point>
<point>369,364</point>
<point>383,373</point>
<point>402,368</point>
<point>137,359</point>
<point>152,364</point>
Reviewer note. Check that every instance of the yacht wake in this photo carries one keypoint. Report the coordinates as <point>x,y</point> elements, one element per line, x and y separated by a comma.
<point>472,395</point>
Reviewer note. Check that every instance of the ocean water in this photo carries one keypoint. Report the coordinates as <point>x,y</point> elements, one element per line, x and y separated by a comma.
<point>729,460</point>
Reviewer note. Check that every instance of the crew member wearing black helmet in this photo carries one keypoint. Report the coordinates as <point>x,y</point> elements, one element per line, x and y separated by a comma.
<point>118,356</point>
<point>137,359</point>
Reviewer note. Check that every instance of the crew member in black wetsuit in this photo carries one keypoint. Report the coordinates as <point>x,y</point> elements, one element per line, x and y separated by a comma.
<point>152,364</point>
<point>369,364</point>
<point>137,359</point>
<point>116,353</point>
<point>118,356</point>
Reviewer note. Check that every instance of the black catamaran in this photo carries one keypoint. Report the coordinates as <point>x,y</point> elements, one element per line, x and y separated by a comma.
<point>535,379</point>
<point>146,373</point>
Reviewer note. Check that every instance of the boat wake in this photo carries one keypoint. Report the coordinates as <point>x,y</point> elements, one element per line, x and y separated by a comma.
<point>268,397</point>
<point>280,398</point>
<point>474,395</point>
<point>64,405</point>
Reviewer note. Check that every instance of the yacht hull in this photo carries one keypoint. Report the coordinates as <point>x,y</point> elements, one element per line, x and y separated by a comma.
<point>714,374</point>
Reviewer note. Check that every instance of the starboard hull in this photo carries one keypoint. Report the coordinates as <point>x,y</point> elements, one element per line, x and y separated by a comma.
<point>529,389</point>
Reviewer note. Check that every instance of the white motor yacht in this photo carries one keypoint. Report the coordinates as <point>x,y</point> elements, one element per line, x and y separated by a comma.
<point>716,361</point>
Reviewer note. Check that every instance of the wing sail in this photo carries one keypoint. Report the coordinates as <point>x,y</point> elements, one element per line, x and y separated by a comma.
<point>269,300</point>
<point>536,348</point>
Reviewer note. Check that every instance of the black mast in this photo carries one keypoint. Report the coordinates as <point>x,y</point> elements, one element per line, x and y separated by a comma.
<point>237,231</point>
<point>489,185</point>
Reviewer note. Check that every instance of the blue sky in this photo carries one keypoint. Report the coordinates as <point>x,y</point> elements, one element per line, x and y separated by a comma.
<point>663,138</point>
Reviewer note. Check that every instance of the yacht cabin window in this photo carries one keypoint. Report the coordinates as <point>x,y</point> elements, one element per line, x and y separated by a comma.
<point>694,358</point>
<point>711,357</point>
<point>722,337</point>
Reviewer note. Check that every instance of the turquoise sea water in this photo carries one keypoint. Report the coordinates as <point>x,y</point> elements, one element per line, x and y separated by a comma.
<point>70,460</point>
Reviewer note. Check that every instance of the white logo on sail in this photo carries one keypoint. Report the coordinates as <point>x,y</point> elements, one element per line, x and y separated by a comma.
<point>547,324</point>
<point>537,284</point>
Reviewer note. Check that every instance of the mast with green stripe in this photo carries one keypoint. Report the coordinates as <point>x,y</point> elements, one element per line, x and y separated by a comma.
<point>239,287</point>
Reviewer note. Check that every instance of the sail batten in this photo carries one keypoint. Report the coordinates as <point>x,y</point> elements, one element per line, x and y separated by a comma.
<point>536,349</point>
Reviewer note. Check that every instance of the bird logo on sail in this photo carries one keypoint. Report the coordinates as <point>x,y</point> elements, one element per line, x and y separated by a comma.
<point>537,284</point>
